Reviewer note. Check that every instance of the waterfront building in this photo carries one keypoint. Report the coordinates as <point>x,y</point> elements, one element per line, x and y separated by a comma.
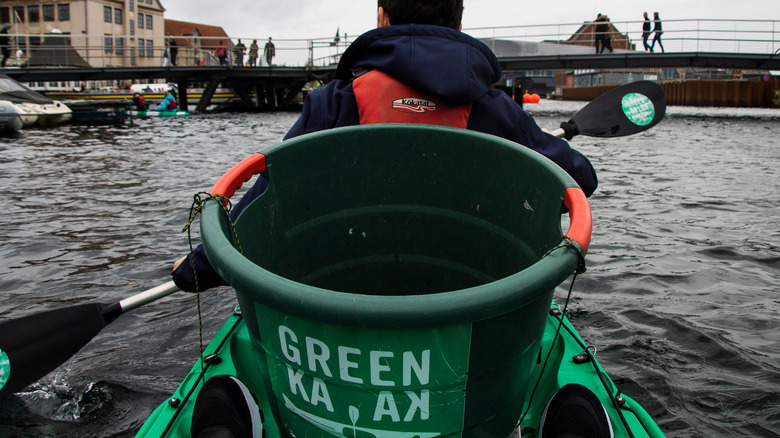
<point>104,32</point>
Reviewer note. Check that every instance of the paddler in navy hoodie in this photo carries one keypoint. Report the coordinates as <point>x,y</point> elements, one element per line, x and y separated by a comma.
<point>416,67</point>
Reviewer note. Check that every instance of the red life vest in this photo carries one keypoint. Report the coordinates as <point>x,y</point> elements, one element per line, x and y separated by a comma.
<point>383,99</point>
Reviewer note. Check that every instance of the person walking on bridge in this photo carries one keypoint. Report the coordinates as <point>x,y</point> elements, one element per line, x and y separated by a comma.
<point>602,34</point>
<point>646,32</point>
<point>5,43</point>
<point>451,72</point>
<point>658,30</point>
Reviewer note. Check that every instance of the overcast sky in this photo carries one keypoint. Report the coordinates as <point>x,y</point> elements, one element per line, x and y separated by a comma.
<point>304,19</point>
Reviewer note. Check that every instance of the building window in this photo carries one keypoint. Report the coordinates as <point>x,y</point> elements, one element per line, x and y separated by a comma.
<point>118,16</point>
<point>18,14</point>
<point>33,15</point>
<point>120,46</point>
<point>140,20</point>
<point>107,14</point>
<point>150,48</point>
<point>63,11</point>
<point>132,27</point>
<point>131,5</point>
<point>5,15</point>
<point>48,12</point>
<point>148,21</point>
<point>141,48</point>
<point>109,43</point>
<point>149,2</point>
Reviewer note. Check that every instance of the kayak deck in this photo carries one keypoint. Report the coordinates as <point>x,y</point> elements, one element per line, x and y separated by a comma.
<point>229,353</point>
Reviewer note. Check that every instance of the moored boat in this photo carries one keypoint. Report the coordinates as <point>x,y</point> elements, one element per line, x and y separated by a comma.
<point>32,107</point>
<point>10,121</point>
<point>91,113</point>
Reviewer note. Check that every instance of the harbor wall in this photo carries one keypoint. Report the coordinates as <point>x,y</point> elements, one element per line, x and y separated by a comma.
<point>728,93</point>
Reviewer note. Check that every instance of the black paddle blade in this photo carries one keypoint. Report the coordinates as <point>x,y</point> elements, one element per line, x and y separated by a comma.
<point>626,110</point>
<point>32,346</point>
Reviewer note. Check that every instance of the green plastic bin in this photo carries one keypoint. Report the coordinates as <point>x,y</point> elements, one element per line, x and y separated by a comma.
<point>394,278</point>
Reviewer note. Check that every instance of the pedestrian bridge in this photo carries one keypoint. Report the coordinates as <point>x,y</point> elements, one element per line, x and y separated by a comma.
<point>719,44</point>
<point>703,43</point>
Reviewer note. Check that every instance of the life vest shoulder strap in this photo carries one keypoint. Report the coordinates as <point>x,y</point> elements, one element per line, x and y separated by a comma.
<point>383,99</point>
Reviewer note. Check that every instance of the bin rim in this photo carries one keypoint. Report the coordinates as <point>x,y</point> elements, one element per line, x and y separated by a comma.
<point>385,311</point>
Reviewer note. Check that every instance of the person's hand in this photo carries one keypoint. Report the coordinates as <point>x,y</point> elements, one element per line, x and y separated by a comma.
<point>178,262</point>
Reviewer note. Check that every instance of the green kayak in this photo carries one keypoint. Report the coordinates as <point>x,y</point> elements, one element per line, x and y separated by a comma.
<point>152,113</point>
<point>565,365</point>
<point>388,288</point>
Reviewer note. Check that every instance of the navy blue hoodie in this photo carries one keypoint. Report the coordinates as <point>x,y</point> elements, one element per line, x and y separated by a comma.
<point>431,59</point>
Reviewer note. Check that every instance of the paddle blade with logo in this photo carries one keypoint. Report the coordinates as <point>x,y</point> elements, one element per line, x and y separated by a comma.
<point>626,110</point>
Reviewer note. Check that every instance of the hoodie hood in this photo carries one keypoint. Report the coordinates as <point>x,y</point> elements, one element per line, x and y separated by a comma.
<point>433,59</point>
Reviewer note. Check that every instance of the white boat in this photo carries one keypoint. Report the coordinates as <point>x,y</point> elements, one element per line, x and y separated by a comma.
<point>9,118</point>
<point>31,107</point>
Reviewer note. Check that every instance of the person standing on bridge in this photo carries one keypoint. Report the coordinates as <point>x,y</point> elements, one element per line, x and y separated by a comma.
<point>451,71</point>
<point>173,49</point>
<point>238,53</point>
<point>5,43</point>
<point>221,53</point>
<point>658,30</point>
<point>269,51</point>
<point>646,32</point>
<point>254,50</point>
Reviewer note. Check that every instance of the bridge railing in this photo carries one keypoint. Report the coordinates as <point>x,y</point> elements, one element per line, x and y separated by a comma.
<point>699,35</point>
<point>142,51</point>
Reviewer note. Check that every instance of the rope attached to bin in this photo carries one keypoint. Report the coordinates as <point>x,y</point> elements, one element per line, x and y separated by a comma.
<point>566,242</point>
<point>198,200</point>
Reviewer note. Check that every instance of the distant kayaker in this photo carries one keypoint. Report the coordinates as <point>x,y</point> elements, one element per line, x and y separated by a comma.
<point>449,78</point>
<point>169,102</point>
<point>140,102</point>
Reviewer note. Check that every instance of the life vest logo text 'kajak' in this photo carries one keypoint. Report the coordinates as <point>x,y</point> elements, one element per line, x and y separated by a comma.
<point>414,105</point>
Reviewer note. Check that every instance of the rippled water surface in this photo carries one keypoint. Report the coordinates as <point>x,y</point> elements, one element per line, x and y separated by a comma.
<point>680,299</point>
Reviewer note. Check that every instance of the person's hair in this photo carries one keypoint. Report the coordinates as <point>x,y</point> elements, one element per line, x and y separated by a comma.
<point>447,13</point>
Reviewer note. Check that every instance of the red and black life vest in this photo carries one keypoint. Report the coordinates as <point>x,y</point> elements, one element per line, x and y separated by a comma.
<point>383,99</point>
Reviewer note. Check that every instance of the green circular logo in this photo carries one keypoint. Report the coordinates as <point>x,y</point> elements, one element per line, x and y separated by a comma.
<point>5,369</point>
<point>638,108</point>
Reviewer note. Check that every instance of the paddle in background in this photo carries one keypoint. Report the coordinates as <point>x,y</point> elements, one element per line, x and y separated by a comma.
<point>34,345</point>
<point>626,110</point>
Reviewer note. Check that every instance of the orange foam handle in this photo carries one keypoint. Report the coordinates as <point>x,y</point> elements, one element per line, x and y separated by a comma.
<point>242,172</point>
<point>580,218</point>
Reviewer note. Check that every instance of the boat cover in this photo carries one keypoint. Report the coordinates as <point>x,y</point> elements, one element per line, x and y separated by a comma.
<point>15,92</point>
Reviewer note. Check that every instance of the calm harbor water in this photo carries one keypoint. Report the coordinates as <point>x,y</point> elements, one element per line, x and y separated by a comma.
<point>680,298</point>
